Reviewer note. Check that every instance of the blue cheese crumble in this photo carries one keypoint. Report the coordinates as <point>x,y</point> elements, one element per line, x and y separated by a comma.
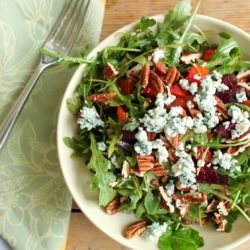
<point>158,54</point>
<point>225,161</point>
<point>241,120</point>
<point>241,96</point>
<point>145,147</point>
<point>154,231</point>
<point>142,146</point>
<point>89,118</point>
<point>102,146</point>
<point>184,168</point>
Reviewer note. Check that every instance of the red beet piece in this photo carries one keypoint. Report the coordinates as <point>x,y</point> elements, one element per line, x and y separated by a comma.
<point>208,175</point>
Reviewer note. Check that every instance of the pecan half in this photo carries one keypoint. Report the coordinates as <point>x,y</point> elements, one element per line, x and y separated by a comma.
<point>135,229</point>
<point>172,75</point>
<point>156,83</point>
<point>161,67</point>
<point>113,206</point>
<point>243,76</point>
<point>145,162</point>
<point>195,197</point>
<point>103,97</point>
<point>145,75</point>
<point>109,71</point>
<point>159,169</point>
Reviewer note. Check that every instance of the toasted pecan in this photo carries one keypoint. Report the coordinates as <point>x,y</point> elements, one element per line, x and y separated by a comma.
<point>113,206</point>
<point>195,197</point>
<point>145,75</point>
<point>156,83</point>
<point>161,67</point>
<point>172,75</point>
<point>135,229</point>
<point>102,97</point>
<point>159,169</point>
<point>109,71</point>
<point>145,162</point>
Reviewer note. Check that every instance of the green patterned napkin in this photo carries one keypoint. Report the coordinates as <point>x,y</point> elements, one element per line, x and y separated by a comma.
<point>34,202</point>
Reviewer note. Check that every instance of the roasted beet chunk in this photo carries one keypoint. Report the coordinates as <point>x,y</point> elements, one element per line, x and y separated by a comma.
<point>128,136</point>
<point>223,131</point>
<point>230,80</point>
<point>229,95</point>
<point>208,175</point>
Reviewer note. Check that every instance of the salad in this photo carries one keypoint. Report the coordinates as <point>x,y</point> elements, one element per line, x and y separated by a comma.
<point>164,126</point>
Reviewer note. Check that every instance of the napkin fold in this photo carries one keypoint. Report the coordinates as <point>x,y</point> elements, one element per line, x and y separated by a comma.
<point>35,204</point>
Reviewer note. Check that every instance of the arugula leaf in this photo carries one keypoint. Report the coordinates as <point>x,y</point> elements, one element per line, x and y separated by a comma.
<point>103,177</point>
<point>151,203</point>
<point>77,145</point>
<point>227,56</point>
<point>145,23</point>
<point>196,213</point>
<point>62,57</point>
<point>176,17</point>
<point>184,238</point>
<point>201,139</point>
<point>112,143</point>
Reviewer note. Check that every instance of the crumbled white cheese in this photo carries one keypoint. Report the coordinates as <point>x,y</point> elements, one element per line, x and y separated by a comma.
<point>197,77</point>
<point>170,187</point>
<point>241,96</point>
<point>164,99</point>
<point>222,208</point>
<point>201,163</point>
<point>154,231</point>
<point>217,75</point>
<point>145,147</point>
<point>142,146</point>
<point>102,146</point>
<point>158,54</point>
<point>192,87</point>
<point>199,124</point>
<point>225,161</point>
<point>241,120</point>
<point>89,118</point>
<point>156,118</point>
<point>184,168</point>
<point>226,124</point>
<point>162,153</point>
<point>178,126</point>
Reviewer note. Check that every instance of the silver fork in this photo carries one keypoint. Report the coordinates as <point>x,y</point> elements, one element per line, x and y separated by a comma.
<point>61,39</point>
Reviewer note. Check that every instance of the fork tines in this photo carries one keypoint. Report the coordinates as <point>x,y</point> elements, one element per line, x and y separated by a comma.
<point>70,22</point>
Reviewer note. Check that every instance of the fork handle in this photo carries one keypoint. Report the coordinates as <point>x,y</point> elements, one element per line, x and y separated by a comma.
<point>11,117</point>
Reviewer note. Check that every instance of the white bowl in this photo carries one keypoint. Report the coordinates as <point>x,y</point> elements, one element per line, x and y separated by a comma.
<point>77,177</point>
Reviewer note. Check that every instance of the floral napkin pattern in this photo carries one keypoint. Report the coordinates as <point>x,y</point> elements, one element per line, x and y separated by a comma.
<point>34,201</point>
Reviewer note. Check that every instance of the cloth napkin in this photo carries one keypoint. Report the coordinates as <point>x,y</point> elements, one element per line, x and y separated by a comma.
<point>35,204</point>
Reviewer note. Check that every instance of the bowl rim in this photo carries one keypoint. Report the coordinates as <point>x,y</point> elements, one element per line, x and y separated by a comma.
<point>75,81</point>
